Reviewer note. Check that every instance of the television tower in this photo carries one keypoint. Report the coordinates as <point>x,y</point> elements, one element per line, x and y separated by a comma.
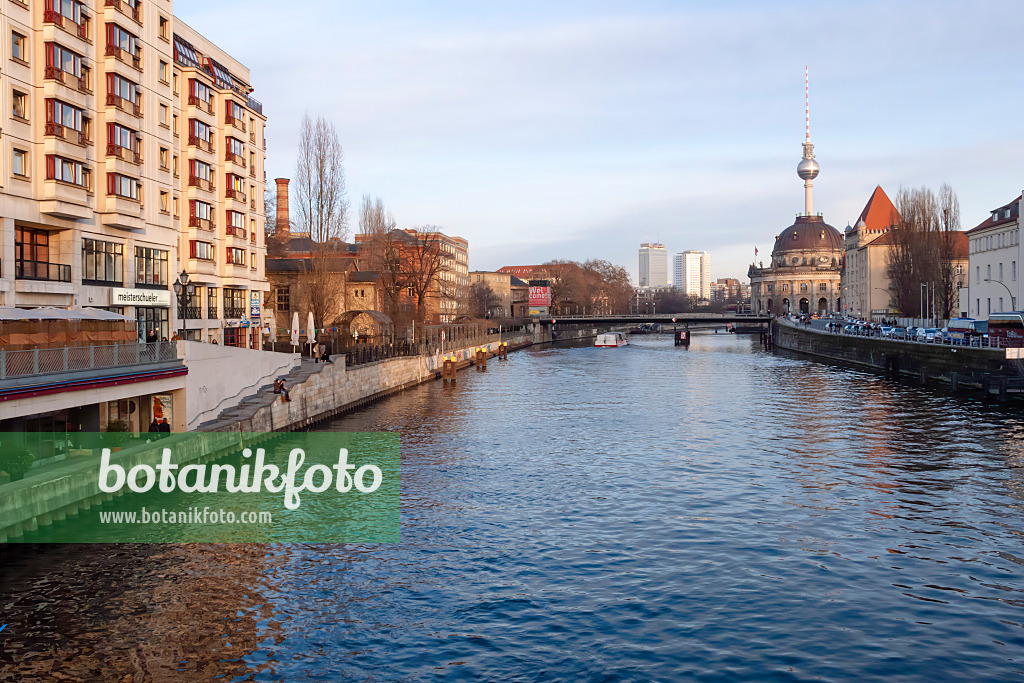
<point>808,168</point>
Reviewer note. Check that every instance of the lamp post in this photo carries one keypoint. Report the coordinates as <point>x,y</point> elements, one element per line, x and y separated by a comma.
<point>184,290</point>
<point>1004,287</point>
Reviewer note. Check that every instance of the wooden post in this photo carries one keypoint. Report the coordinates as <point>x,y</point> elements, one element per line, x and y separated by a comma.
<point>448,370</point>
<point>1002,389</point>
<point>954,381</point>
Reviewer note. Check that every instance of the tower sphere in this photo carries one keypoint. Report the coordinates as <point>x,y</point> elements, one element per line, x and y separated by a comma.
<point>807,169</point>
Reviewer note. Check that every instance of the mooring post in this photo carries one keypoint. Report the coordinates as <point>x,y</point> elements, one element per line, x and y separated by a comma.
<point>954,381</point>
<point>986,384</point>
<point>1002,389</point>
<point>924,376</point>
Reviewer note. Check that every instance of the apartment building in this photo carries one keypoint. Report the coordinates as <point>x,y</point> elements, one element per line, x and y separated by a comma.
<point>653,271</point>
<point>131,151</point>
<point>692,273</point>
<point>994,284</point>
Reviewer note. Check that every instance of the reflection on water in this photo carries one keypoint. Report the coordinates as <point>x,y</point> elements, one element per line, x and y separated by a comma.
<point>711,513</point>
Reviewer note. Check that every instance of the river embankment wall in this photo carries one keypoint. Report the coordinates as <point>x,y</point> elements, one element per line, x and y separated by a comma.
<point>959,366</point>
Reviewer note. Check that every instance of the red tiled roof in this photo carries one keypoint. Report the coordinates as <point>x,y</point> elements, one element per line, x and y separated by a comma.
<point>879,212</point>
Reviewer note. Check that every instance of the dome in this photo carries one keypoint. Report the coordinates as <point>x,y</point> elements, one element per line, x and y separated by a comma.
<point>809,233</point>
<point>807,169</point>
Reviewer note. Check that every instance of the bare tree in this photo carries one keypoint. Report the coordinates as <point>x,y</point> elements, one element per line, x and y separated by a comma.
<point>380,251</point>
<point>483,300</point>
<point>429,270</point>
<point>922,250</point>
<point>322,208</point>
<point>320,192</point>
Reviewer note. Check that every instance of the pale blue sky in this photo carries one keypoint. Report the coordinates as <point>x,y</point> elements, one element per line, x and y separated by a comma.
<point>542,130</point>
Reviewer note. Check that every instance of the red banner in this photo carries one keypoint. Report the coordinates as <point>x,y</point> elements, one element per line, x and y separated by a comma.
<point>540,296</point>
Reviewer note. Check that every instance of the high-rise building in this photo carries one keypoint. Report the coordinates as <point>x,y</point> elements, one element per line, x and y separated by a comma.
<point>692,273</point>
<point>653,265</point>
<point>132,151</point>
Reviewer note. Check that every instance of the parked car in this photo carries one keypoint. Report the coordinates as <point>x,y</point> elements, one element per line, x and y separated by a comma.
<point>898,333</point>
<point>927,334</point>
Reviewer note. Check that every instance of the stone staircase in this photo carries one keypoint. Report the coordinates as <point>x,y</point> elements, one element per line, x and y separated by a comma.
<point>264,396</point>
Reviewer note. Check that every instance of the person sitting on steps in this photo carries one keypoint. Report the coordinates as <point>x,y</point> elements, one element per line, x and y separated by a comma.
<point>279,388</point>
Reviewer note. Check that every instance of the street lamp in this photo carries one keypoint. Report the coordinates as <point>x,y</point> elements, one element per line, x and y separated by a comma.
<point>184,290</point>
<point>1004,287</point>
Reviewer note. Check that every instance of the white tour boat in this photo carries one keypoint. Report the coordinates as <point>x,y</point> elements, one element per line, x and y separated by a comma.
<point>612,339</point>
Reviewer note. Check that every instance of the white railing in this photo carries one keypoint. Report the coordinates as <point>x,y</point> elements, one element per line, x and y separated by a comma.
<point>39,361</point>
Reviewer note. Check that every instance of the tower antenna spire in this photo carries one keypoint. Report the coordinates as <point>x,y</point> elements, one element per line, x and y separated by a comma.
<point>807,99</point>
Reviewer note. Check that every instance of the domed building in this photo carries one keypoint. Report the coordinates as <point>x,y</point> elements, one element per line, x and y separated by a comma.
<point>803,275</point>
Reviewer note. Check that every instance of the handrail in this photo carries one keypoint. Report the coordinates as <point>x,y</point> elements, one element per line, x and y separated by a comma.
<point>197,421</point>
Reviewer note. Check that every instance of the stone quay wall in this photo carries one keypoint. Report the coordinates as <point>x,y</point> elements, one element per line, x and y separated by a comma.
<point>959,366</point>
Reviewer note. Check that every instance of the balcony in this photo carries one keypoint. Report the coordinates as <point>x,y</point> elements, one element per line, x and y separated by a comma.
<point>255,105</point>
<point>133,108</point>
<point>238,123</point>
<point>197,222</point>
<point>237,232</point>
<point>211,313</point>
<point>39,270</point>
<point>235,158</point>
<point>131,156</point>
<point>200,103</point>
<point>200,143</point>
<point>125,9</point>
<point>193,313</point>
<point>232,193</point>
<point>234,312</point>
<point>54,73</point>
<point>124,56</point>
<point>203,184</point>
<point>68,134</point>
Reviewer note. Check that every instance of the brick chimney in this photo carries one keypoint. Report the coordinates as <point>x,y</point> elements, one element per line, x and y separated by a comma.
<point>281,226</point>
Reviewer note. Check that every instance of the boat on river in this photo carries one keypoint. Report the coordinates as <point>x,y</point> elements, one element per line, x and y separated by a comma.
<point>611,339</point>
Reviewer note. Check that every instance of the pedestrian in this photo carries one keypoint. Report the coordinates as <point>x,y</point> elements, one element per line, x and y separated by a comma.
<point>154,426</point>
<point>279,388</point>
<point>151,337</point>
<point>325,357</point>
<point>165,427</point>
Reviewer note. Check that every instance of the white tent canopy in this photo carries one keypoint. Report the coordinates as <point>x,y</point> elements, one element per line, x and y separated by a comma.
<point>49,313</point>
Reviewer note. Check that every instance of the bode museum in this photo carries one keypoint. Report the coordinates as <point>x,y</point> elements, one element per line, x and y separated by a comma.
<point>804,272</point>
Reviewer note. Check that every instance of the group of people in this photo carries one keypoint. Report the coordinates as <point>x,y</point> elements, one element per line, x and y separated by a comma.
<point>320,354</point>
<point>160,426</point>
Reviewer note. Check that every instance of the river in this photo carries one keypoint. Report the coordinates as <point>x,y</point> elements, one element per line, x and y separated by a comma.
<point>642,513</point>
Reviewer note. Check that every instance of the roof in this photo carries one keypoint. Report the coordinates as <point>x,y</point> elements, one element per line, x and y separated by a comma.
<point>364,276</point>
<point>808,232</point>
<point>994,220</point>
<point>879,212</point>
<point>960,241</point>
<point>516,282</point>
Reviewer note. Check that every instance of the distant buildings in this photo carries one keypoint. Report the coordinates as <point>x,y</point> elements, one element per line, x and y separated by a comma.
<point>691,273</point>
<point>865,276</point>
<point>653,265</point>
<point>994,282</point>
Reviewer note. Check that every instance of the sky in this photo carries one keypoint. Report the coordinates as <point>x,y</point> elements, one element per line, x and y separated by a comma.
<point>576,130</point>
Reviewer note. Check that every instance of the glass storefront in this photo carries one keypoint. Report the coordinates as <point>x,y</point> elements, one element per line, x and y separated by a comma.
<point>153,323</point>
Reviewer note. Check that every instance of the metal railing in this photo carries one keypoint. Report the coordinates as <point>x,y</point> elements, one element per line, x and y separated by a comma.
<point>69,358</point>
<point>234,312</point>
<point>973,340</point>
<point>40,270</point>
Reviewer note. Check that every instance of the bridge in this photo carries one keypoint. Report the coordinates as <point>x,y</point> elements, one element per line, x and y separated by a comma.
<point>663,318</point>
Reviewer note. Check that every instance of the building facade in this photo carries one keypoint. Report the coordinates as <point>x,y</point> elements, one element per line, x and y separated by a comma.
<point>96,161</point>
<point>994,260</point>
<point>501,285</point>
<point>865,283</point>
<point>653,265</point>
<point>691,273</point>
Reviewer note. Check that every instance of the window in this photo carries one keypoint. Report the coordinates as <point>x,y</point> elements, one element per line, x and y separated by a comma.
<point>988,272</point>
<point>164,71</point>
<point>235,187</point>
<point>1000,303</point>
<point>67,171</point>
<point>123,138</point>
<point>235,301</point>
<point>123,45</point>
<point>199,93</point>
<point>174,124</point>
<point>211,302</point>
<point>102,262</point>
<point>120,185</point>
<point>120,87</point>
<point>989,311</point>
<point>174,165</point>
<point>1013,271</point>
<point>151,319</point>
<point>252,163</point>
<point>19,46</point>
<point>32,256</point>
<point>235,336</point>
<point>19,163</point>
<point>58,10</point>
<point>201,250</point>
<point>252,260</point>
<point>803,286</point>
<point>162,112</point>
<point>200,170</point>
<point>234,113</point>
<point>61,61</point>
<point>785,287</point>
<point>283,299</point>
<point>1000,275</point>
<point>237,257</point>
<point>165,201</point>
<point>198,131</point>
<point>151,267</point>
<point>175,202</point>
<point>163,28</point>
<point>19,105</point>
<point>235,149</point>
<point>977,277</point>
<point>822,287</point>
<point>198,212</point>
<point>164,155</point>
<point>61,116</point>
<point>174,83</point>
